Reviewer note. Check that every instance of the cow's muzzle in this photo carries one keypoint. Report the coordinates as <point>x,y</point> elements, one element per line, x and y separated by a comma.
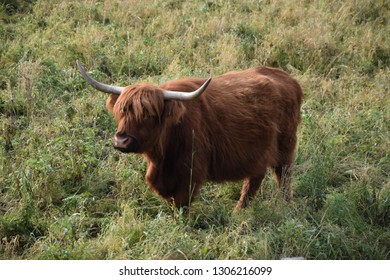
<point>125,143</point>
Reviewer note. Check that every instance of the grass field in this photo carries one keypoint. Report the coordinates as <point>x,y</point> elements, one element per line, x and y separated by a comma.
<point>65,193</point>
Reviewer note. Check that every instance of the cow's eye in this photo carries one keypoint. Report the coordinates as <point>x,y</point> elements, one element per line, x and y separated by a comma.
<point>149,120</point>
<point>125,110</point>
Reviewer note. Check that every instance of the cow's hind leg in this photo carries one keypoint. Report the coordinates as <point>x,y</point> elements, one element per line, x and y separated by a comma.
<point>249,189</point>
<point>283,168</point>
<point>283,174</point>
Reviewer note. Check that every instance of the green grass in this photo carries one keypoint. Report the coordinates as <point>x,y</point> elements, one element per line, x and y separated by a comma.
<point>66,194</point>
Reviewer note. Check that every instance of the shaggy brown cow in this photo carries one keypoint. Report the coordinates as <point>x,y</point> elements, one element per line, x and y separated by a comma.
<point>192,130</point>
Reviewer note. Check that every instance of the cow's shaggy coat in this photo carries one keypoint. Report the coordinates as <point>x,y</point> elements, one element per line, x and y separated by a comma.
<point>243,123</point>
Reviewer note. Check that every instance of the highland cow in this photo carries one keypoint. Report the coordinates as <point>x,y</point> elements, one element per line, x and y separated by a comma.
<point>194,130</point>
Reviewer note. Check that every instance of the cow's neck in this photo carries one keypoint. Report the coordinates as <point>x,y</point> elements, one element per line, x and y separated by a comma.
<point>166,147</point>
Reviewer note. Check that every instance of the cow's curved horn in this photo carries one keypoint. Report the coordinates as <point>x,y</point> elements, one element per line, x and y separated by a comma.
<point>179,95</point>
<point>97,85</point>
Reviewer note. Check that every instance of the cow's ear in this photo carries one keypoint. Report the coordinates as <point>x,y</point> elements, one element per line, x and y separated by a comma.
<point>110,103</point>
<point>173,111</point>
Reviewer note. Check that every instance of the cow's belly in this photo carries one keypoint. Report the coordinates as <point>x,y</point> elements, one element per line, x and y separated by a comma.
<point>232,171</point>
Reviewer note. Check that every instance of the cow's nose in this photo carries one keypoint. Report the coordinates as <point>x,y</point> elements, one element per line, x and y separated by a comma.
<point>121,140</point>
<point>125,143</point>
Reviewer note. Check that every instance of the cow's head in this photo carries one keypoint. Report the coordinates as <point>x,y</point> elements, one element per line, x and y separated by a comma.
<point>142,112</point>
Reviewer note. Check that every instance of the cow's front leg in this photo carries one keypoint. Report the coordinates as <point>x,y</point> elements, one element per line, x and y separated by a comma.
<point>184,194</point>
<point>158,183</point>
<point>151,174</point>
